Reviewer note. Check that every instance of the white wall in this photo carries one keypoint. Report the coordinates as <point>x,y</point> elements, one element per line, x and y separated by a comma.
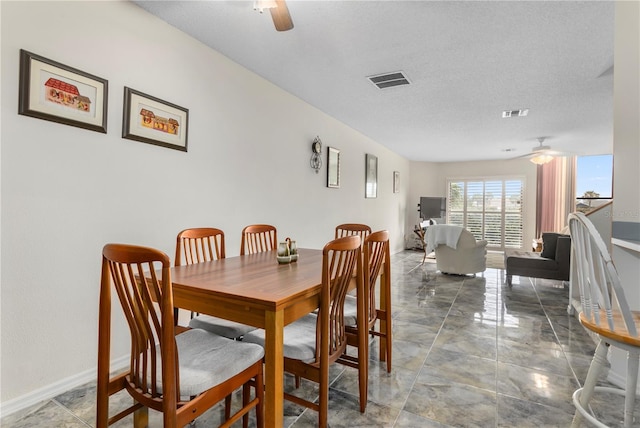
<point>430,179</point>
<point>626,158</point>
<point>67,191</point>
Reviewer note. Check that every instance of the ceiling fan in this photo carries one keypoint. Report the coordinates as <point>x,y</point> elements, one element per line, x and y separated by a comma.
<point>279,13</point>
<point>542,154</point>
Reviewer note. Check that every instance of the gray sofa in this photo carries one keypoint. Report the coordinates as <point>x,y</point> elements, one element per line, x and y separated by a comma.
<point>552,263</point>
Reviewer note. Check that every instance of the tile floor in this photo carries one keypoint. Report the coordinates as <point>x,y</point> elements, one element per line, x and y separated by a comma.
<point>467,352</point>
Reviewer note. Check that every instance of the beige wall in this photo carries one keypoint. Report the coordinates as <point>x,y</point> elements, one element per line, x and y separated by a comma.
<point>67,191</point>
<point>626,156</point>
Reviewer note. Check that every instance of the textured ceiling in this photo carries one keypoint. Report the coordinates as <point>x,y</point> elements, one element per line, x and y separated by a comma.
<point>466,61</point>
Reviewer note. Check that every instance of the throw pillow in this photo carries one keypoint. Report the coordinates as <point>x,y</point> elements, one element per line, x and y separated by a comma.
<point>549,241</point>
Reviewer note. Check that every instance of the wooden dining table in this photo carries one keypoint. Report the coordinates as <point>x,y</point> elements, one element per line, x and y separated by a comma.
<point>254,289</point>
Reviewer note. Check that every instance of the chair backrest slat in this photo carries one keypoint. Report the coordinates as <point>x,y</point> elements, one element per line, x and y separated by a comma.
<point>597,277</point>
<point>147,302</point>
<point>341,258</point>
<point>376,253</point>
<point>258,238</point>
<point>350,229</point>
<point>197,245</point>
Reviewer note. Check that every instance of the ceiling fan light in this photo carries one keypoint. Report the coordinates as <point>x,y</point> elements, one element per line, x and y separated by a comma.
<point>541,159</point>
<point>261,5</point>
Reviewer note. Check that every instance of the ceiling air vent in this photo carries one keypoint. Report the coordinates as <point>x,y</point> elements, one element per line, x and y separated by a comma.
<point>388,80</point>
<point>515,113</point>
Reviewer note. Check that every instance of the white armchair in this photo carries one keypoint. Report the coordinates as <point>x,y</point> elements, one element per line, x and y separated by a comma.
<point>460,256</point>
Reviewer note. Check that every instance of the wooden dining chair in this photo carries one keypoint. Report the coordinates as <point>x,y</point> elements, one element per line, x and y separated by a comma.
<point>179,375</point>
<point>313,342</point>
<point>605,312</point>
<point>349,229</point>
<point>257,238</point>
<point>200,245</point>
<point>376,259</point>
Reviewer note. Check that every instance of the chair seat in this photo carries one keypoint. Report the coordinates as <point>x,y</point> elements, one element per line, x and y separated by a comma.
<point>350,311</point>
<point>220,326</point>
<point>529,260</point>
<point>206,360</point>
<point>619,333</point>
<point>299,338</point>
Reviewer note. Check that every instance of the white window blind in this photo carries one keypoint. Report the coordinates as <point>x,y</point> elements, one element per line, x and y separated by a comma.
<point>490,208</point>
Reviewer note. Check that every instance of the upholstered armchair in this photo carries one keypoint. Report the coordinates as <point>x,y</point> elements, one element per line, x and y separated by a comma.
<point>553,262</point>
<point>457,251</point>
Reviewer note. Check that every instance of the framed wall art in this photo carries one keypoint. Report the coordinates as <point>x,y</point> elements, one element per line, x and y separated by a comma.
<point>154,121</point>
<point>396,181</point>
<point>371,176</point>
<point>333,167</point>
<point>53,91</point>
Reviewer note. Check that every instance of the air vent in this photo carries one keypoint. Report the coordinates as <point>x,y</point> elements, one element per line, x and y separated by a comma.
<point>515,113</point>
<point>388,80</point>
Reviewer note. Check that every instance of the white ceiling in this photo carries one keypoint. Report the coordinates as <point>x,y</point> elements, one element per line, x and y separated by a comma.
<point>467,62</point>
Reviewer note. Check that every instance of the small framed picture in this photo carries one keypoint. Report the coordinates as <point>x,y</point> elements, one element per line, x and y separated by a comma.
<point>154,121</point>
<point>371,176</point>
<point>396,181</point>
<point>53,91</point>
<point>333,167</point>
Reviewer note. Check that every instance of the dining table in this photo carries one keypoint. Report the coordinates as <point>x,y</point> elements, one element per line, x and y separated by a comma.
<point>256,290</point>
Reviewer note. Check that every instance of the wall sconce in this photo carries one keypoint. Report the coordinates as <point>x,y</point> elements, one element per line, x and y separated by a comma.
<point>316,157</point>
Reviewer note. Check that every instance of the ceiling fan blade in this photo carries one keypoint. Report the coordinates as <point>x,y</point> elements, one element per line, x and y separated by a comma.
<point>281,18</point>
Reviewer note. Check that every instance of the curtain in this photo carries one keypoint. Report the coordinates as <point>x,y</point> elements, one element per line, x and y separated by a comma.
<point>555,194</point>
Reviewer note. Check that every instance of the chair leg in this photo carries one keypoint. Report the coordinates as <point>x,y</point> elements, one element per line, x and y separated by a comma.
<point>141,418</point>
<point>363,365</point>
<point>246,397</point>
<point>630,390</point>
<point>596,367</point>
<point>387,339</point>
<point>227,407</point>
<point>260,396</point>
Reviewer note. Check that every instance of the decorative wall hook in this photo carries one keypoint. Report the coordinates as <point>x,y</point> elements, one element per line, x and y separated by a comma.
<point>316,157</point>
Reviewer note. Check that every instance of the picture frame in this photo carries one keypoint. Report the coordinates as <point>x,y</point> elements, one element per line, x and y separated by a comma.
<point>371,176</point>
<point>396,181</point>
<point>154,121</point>
<point>52,91</point>
<point>333,167</point>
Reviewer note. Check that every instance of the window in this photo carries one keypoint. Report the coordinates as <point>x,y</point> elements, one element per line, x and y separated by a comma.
<point>490,208</point>
<point>594,181</point>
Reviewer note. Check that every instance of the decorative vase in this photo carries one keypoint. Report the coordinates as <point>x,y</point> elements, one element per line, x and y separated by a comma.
<point>293,251</point>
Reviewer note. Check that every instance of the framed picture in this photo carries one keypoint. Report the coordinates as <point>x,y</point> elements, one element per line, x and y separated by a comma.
<point>56,92</point>
<point>151,120</point>
<point>396,181</point>
<point>371,176</point>
<point>333,167</point>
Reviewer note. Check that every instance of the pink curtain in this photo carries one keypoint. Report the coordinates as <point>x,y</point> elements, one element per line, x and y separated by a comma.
<point>555,194</point>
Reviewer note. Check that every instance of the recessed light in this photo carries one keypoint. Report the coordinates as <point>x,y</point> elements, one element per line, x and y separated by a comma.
<point>515,113</point>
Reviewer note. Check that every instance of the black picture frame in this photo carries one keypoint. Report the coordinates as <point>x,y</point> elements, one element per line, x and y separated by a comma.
<point>52,91</point>
<point>150,120</point>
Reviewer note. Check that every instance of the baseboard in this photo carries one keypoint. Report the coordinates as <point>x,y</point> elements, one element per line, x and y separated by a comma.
<point>50,391</point>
